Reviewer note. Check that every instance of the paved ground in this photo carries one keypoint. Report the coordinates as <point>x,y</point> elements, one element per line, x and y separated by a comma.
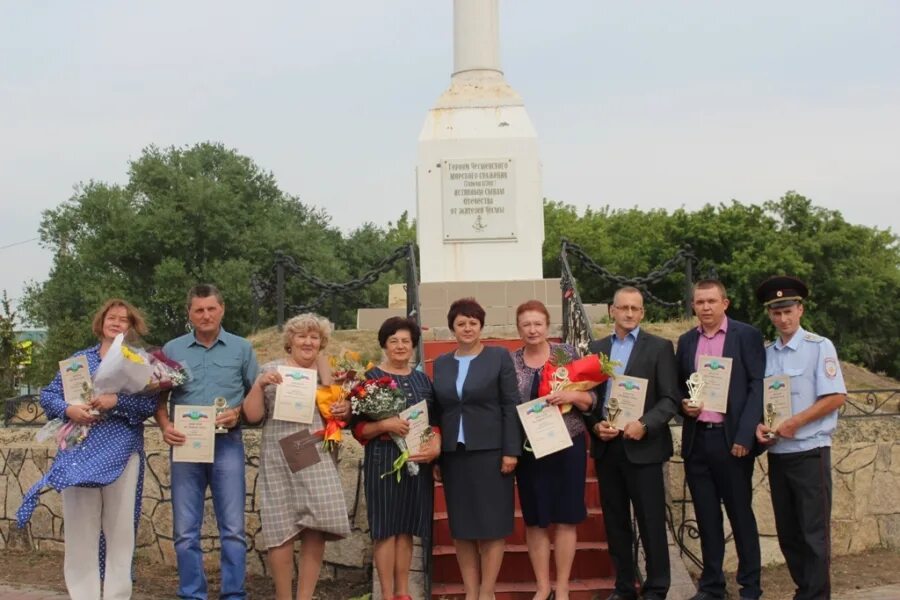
<point>884,592</point>
<point>15,592</point>
<point>682,586</point>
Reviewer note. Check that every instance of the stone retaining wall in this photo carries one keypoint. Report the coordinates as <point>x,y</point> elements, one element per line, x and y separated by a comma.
<point>865,460</point>
<point>23,462</point>
<point>866,512</point>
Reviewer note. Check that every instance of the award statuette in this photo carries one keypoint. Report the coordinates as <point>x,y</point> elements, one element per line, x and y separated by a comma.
<point>771,415</point>
<point>777,406</point>
<point>613,411</point>
<point>221,404</point>
<point>695,385</point>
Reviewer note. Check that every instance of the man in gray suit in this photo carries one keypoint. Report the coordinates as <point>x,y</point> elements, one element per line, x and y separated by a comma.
<point>629,462</point>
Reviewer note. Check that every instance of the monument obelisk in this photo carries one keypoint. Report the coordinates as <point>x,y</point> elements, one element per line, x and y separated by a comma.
<point>479,201</point>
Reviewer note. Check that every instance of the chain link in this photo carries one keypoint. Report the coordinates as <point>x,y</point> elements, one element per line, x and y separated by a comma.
<point>264,286</point>
<point>291,267</point>
<point>681,256</point>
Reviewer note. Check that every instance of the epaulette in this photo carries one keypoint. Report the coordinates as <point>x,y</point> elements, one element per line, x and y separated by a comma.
<point>813,337</point>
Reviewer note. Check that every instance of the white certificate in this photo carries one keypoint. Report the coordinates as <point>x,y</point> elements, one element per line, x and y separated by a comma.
<point>295,396</point>
<point>76,380</point>
<point>417,415</point>
<point>544,427</point>
<point>198,424</point>
<point>776,400</point>
<point>626,400</point>
<point>716,373</point>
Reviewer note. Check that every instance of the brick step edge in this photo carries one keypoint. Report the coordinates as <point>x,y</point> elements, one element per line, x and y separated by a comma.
<point>575,585</point>
<point>444,550</point>
<point>591,511</point>
<point>588,479</point>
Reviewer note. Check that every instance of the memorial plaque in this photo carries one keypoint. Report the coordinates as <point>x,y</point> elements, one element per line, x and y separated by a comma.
<point>478,199</point>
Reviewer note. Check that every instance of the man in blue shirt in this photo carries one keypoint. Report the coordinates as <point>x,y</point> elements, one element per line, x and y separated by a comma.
<point>629,463</point>
<point>800,452</point>
<point>222,365</point>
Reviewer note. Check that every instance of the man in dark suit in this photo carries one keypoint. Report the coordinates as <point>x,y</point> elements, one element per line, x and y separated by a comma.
<point>719,449</point>
<point>629,463</point>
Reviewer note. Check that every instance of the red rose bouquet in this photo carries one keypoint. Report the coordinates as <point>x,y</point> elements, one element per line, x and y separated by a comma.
<point>380,399</point>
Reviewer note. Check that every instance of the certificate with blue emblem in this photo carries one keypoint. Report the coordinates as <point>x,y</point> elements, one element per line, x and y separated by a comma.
<point>198,424</point>
<point>76,379</point>
<point>716,374</point>
<point>544,427</point>
<point>776,400</point>
<point>417,416</point>
<point>295,396</point>
<point>626,400</point>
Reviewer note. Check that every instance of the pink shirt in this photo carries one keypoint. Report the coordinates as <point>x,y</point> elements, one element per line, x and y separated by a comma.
<point>711,346</point>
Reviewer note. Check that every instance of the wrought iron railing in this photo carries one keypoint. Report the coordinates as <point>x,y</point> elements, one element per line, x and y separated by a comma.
<point>862,403</point>
<point>24,410</point>
<point>871,402</point>
<point>576,327</point>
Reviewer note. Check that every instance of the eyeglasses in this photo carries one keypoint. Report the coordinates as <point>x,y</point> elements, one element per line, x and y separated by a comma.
<point>635,309</point>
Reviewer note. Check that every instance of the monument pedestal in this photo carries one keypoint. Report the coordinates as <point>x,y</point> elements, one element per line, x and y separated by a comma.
<point>498,298</point>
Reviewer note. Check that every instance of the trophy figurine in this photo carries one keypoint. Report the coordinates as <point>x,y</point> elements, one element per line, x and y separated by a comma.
<point>771,413</point>
<point>695,384</point>
<point>613,411</point>
<point>87,393</point>
<point>221,404</point>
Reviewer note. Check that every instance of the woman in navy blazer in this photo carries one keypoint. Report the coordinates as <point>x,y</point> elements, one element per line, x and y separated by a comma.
<point>475,399</point>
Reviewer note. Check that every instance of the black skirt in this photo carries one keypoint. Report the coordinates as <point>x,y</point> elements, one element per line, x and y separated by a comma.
<point>551,489</point>
<point>480,501</point>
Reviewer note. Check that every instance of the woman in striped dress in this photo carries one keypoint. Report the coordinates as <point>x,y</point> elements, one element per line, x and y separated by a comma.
<point>307,505</point>
<point>397,510</point>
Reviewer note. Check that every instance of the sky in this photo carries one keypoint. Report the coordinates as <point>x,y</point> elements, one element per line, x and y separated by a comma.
<point>653,104</point>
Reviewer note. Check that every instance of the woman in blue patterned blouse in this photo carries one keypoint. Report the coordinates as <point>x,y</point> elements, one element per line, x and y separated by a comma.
<point>101,478</point>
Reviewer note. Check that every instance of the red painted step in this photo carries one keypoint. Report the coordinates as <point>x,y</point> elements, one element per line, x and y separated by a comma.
<point>591,560</point>
<point>580,589</point>
<point>590,530</point>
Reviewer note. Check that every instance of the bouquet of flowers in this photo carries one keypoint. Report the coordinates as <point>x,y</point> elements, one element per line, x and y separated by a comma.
<point>134,371</point>
<point>326,395</point>
<point>348,367</point>
<point>562,373</point>
<point>346,370</point>
<point>66,433</point>
<point>167,373</point>
<point>380,399</point>
<point>123,370</point>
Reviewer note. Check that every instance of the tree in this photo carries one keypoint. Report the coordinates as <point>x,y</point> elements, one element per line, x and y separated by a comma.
<point>11,353</point>
<point>853,271</point>
<point>186,215</point>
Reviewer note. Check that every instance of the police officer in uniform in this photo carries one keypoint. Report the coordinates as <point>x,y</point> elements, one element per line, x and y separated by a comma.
<point>800,452</point>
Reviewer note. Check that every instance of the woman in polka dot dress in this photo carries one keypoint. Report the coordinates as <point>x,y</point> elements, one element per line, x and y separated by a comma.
<point>101,478</point>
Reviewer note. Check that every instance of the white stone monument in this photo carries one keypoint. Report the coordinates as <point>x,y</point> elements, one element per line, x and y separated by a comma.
<point>480,214</point>
<point>480,206</point>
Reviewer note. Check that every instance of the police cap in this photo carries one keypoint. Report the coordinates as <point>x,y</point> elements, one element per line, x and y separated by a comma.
<point>780,291</point>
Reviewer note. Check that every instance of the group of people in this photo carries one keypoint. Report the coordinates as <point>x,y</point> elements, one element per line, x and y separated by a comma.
<point>477,450</point>
<point>720,449</point>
